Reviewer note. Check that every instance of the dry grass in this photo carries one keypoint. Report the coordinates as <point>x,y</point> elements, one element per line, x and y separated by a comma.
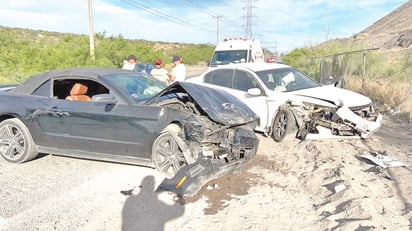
<point>395,95</point>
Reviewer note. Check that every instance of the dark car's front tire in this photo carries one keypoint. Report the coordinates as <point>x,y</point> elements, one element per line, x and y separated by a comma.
<point>284,126</point>
<point>167,155</point>
<point>16,142</point>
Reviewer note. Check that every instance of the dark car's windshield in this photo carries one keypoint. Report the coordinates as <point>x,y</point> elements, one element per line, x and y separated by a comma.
<point>226,57</point>
<point>286,79</point>
<point>138,87</point>
<point>144,67</point>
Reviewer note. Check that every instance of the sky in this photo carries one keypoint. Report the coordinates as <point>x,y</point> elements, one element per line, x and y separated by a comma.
<point>280,25</point>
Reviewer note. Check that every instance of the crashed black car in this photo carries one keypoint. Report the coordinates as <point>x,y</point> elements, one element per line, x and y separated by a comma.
<point>190,133</point>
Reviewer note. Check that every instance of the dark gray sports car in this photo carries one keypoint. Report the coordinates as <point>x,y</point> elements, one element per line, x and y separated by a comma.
<point>188,132</point>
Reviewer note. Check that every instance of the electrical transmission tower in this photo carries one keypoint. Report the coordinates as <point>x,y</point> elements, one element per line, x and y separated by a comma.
<point>249,15</point>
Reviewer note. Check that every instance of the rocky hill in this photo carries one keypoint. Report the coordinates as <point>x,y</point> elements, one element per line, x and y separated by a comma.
<point>394,31</point>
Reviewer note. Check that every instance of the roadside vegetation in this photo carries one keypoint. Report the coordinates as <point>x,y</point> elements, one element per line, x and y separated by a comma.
<point>385,76</point>
<point>25,52</point>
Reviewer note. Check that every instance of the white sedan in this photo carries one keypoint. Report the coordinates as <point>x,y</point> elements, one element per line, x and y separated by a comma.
<point>293,105</point>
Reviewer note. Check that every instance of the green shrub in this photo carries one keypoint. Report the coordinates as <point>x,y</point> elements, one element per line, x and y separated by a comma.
<point>25,52</point>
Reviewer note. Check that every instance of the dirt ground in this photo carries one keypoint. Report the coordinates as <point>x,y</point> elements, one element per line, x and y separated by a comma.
<point>313,185</point>
<point>309,185</point>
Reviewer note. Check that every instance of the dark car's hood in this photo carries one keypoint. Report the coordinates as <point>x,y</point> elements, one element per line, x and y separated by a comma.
<point>219,105</point>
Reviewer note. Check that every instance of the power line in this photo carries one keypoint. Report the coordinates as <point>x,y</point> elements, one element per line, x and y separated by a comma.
<point>202,8</point>
<point>147,9</point>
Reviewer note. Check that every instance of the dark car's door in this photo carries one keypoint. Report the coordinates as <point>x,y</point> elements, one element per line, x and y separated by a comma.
<point>113,129</point>
<point>85,126</point>
<point>78,125</point>
<point>109,124</point>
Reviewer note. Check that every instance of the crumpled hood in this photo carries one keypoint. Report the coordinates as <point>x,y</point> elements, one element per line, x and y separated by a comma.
<point>332,95</point>
<point>220,106</point>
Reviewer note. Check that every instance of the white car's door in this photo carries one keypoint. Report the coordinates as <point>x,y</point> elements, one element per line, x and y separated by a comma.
<point>237,83</point>
<point>243,81</point>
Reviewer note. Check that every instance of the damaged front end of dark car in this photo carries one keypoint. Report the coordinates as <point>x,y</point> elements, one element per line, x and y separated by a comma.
<point>215,138</point>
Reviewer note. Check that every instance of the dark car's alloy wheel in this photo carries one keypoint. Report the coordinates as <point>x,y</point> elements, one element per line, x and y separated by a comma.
<point>16,142</point>
<point>167,156</point>
<point>284,126</point>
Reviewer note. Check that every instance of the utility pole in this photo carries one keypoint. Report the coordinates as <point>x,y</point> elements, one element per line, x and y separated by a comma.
<point>217,27</point>
<point>91,30</point>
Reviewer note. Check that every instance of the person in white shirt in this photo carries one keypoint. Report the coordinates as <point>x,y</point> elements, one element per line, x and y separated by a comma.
<point>130,63</point>
<point>179,70</point>
<point>160,73</point>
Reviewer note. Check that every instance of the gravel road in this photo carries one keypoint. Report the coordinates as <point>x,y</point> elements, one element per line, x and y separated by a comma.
<point>63,193</point>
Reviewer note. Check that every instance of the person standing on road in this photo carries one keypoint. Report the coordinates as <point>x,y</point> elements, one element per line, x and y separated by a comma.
<point>160,73</point>
<point>179,70</point>
<point>130,63</point>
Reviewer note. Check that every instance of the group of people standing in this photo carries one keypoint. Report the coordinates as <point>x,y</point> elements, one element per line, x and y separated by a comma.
<point>178,72</point>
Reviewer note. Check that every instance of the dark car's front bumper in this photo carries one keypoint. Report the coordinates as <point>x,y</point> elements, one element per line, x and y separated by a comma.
<point>191,178</point>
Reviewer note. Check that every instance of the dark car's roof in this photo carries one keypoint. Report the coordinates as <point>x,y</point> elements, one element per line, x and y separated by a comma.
<point>34,81</point>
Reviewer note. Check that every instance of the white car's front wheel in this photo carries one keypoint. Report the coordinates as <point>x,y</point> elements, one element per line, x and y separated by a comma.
<point>284,126</point>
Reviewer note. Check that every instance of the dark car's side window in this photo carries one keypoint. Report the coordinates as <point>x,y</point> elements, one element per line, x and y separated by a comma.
<point>62,89</point>
<point>220,77</point>
<point>243,81</point>
<point>43,90</point>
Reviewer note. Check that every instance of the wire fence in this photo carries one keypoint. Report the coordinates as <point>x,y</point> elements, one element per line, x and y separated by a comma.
<point>384,76</point>
<point>338,66</point>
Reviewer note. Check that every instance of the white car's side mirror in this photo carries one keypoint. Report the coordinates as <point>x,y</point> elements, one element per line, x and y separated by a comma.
<point>254,91</point>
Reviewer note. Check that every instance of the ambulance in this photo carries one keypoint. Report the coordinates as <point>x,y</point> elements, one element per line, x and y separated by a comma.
<point>237,50</point>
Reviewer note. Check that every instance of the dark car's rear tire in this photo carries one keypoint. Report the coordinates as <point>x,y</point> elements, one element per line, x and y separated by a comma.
<point>284,126</point>
<point>167,155</point>
<point>16,142</point>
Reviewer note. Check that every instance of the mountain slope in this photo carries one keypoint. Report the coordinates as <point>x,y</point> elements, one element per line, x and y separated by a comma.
<point>394,31</point>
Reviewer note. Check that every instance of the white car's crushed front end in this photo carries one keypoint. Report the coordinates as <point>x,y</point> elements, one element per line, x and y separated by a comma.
<point>317,121</point>
<point>349,125</point>
<point>364,126</point>
<point>329,112</point>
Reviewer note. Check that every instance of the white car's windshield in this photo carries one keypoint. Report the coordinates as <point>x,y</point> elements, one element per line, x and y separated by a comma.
<point>286,79</point>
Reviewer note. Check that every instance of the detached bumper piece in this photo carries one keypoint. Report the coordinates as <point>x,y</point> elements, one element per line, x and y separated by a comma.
<point>191,178</point>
